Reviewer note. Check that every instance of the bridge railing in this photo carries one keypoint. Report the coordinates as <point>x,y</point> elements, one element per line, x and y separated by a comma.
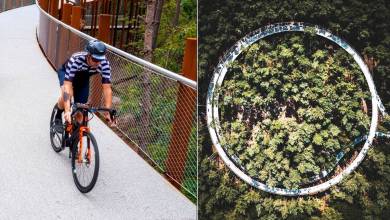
<point>157,108</point>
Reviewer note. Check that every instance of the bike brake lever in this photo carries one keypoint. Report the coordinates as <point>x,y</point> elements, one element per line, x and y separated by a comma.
<point>113,114</point>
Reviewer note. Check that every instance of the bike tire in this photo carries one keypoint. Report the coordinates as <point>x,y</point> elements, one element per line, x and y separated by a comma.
<point>86,187</point>
<point>57,147</point>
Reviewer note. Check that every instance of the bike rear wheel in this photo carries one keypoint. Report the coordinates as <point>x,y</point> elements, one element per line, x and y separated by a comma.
<point>56,135</point>
<point>85,169</point>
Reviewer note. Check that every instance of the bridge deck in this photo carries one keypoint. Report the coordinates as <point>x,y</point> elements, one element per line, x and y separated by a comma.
<point>37,182</point>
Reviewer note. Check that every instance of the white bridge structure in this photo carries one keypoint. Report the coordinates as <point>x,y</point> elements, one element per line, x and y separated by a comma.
<point>220,71</point>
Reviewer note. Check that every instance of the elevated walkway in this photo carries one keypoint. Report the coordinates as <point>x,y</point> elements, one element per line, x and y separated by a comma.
<point>35,181</point>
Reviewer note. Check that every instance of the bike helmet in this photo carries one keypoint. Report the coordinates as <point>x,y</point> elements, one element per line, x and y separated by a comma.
<point>97,50</point>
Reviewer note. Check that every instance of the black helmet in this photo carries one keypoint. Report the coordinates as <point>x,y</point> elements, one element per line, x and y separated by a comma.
<point>97,50</point>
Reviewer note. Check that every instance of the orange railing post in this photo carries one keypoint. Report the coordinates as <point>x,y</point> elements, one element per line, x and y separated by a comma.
<point>8,4</point>
<point>43,25</point>
<point>53,8</point>
<point>76,17</point>
<point>182,124</point>
<point>52,34</point>
<point>104,28</point>
<point>103,35</point>
<point>75,22</point>
<point>62,53</point>
<point>66,13</point>
<point>44,5</point>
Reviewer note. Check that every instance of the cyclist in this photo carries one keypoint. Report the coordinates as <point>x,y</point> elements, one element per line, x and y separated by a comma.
<point>74,79</point>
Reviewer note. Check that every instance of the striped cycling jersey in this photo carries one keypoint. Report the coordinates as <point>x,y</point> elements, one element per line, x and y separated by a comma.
<point>77,64</point>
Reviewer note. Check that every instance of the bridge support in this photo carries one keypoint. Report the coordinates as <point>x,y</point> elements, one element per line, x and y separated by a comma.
<point>52,35</point>
<point>75,22</point>
<point>44,5</point>
<point>103,35</point>
<point>182,125</point>
<point>63,38</point>
<point>8,4</point>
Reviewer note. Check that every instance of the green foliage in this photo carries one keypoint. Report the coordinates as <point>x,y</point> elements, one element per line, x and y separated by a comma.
<point>317,122</point>
<point>304,113</point>
<point>171,39</point>
<point>168,54</point>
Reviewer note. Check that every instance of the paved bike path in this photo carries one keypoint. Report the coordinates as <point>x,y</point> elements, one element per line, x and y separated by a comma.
<point>36,182</point>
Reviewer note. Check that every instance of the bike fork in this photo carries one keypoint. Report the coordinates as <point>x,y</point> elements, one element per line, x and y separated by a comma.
<point>80,150</point>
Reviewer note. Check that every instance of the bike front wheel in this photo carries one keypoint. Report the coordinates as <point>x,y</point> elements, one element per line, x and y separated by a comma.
<point>85,162</point>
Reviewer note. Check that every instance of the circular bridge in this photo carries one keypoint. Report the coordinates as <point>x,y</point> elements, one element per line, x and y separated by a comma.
<point>213,121</point>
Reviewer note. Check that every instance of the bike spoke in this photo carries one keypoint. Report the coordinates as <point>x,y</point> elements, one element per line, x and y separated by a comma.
<point>84,171</point>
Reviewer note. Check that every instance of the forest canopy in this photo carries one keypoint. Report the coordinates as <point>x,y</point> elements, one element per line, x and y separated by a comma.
<point>289,106</point>
<point>365,193</point>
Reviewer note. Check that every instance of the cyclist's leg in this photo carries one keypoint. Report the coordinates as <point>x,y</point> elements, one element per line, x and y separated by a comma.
<point>81,90</point>
<point>60,102</point>
<point>81,93</point>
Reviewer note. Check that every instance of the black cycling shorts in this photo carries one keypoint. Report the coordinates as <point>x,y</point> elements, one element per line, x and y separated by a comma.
<point>80,85</point>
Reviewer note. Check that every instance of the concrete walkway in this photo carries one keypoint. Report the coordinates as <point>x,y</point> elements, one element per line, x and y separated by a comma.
<point>36,182</point>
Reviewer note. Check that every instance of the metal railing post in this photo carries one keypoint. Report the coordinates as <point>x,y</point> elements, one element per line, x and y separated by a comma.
<point>103,35</point>
<point>67,13</point>
<point>76,17</point>
<point>53,8</point>
<point>43,24</point>
<point>44,5</point>
<point>182,125</point>
<point>8,4</point>
<point>52,34</point>
<point>74,41</point>
<point>63,39</point>
<point>104,28</point>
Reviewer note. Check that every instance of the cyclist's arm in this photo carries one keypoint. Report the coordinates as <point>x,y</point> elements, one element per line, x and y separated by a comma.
<point>67,94</point>
<point>107,94</point>
<point>72,67</point>
<point>105,70</point>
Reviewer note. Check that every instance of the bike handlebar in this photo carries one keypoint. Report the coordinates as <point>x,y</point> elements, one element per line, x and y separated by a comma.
<point>79,106</point>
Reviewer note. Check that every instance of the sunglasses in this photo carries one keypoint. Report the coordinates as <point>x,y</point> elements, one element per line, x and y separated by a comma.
<point>95,60</point>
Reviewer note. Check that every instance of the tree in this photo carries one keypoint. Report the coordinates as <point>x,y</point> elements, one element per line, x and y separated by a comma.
<point>152,23</point>
<point>175,20</point>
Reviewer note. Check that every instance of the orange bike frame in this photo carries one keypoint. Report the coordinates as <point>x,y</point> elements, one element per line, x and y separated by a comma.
<point>81,130</point>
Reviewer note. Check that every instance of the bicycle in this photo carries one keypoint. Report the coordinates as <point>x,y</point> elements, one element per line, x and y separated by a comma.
<point>84,159</point>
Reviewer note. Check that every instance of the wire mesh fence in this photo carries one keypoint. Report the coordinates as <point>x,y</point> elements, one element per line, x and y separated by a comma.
<point>156,113</point>
<point>11,4</point>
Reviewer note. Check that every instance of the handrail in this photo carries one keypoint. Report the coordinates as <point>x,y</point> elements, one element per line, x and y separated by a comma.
<point>138,60</point>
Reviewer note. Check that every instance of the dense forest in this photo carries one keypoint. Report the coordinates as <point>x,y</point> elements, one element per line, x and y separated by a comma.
<point>176,23</point>
<point>291,103</point>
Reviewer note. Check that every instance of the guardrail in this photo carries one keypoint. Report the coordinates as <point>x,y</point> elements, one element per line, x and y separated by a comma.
<point>156,106</point>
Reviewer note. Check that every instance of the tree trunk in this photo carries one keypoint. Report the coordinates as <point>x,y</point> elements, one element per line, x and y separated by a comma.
<point>175,20</point>
<point>152,23</point>
<point>364,106</point>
